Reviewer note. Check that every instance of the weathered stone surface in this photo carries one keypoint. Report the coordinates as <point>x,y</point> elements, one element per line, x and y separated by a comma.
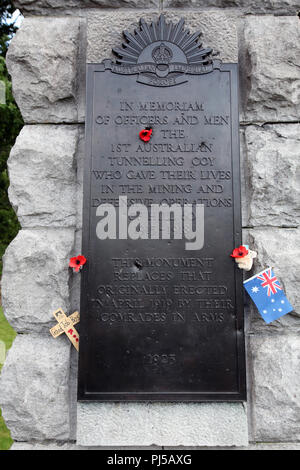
<point>276,382</point>
<point>277,248</point>
<point>45,446</point>
<point>43,60</point>
<point>81,158</point>
<point>252,446</point>
<point>275,446</point>
<point>273,166</point>
<point>111,24</point>
<point>245,189</point>
<point>35,278</point>
<point>279,7</point>
<point>219,30</point>
<point>75,280</point>
<point>37,7</point>
<point>34,388</point>
<point>270,61</point>
<point>69,446</point>
<point>42,170</point>
<point>162,424</point>
<point>44,7</point>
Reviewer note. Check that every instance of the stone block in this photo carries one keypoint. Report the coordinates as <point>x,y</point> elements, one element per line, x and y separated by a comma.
<point>34,391</point>
<point>35,279</point>
<point>42,170</point>
<point>162,424</point>
<point>245,188</point>
<point>273,171</point>
<point>219,30</point>
<point>275,446</point>
<point>270,79</point>
<point>80,162</point>
<point>43,60</point>
<point>274,7</point>
<point>277,248</point>
<point>44,446</point>
<point>71,446</point>
<point>276,382</point>
<point>111,24</point>
<point>46,7</point>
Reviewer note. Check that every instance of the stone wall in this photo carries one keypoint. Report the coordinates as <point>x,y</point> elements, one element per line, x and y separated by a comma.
<point>46,60</point>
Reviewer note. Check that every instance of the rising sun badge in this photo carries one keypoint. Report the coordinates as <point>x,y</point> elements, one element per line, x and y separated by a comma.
<point>162,54</point>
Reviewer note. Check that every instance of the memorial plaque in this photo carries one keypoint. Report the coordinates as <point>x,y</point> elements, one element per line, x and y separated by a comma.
<point>161,298</point>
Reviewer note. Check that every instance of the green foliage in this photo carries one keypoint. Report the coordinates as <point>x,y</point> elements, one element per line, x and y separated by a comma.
<point>5,439</point>
<point>6,11</point>
<point>10,125</point>
<point>7,335</point>
<point>6,30</point>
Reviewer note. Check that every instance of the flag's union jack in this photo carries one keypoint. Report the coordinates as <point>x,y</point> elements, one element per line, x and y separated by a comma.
<point>269,281</point>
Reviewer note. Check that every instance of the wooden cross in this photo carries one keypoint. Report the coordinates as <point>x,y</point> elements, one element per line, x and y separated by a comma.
<point>65,325</point>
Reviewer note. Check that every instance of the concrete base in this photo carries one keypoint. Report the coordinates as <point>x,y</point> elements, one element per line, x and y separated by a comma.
<point>162,424</point>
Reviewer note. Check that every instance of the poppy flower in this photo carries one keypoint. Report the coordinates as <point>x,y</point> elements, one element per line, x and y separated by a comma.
<point>145,134</point>
<point>239,252</point>
<point>77,262</point>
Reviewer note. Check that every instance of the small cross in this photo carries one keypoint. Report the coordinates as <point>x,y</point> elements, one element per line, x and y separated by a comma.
<point>65,325</point>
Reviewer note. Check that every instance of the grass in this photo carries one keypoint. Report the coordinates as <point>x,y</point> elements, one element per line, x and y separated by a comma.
<point>7,335</point>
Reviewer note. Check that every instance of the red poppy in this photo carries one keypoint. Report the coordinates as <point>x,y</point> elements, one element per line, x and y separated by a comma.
<point>145,134</point>
<point>239,252</point>
<point>77,262</point>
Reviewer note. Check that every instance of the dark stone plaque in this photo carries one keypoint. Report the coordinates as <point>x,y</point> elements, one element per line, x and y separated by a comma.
<point>161,298</point>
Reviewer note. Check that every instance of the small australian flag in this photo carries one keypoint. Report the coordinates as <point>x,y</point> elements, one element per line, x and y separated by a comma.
<point>267,294</point>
